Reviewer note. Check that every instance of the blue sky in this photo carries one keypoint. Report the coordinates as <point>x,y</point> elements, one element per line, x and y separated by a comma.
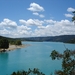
<point>27,18</point>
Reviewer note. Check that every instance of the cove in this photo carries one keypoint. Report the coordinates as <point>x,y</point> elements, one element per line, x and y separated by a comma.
<point>37,55</point>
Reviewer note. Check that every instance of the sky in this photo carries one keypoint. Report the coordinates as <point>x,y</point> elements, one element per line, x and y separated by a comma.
<point>34,18</point>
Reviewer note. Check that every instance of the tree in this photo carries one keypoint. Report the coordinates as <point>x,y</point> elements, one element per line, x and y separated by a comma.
<point>73,18</point>
<point>18,42</point>
<point>68,62</point>
<point>54,54</point>
<point>4,43</point>
<point>15,42</point>
<point>35,71</point>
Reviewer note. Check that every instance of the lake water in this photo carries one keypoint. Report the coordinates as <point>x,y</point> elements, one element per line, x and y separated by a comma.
<point>37,55</point>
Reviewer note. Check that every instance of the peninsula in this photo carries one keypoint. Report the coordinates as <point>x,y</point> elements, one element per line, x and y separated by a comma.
<point>8,45</point>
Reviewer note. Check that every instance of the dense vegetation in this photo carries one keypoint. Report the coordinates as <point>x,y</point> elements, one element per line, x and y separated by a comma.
<point>15,42</point>
<point>68,62</point>
<point>71,41</point>
<point>12,41</point>
<point>61,38</point>
<point>73,18</point>
<point>35,71</point>
<point>4,43</point>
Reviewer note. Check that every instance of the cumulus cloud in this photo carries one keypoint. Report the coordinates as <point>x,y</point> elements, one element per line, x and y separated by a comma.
<point>22,31</point>
<point>35,7</point>
<point>50,21</point>
<point>37,14</point>
<point>70,9</point>
<point>4,32</point>
<point>41,27</point>
<point>69,15</point>
<point>63,27</point>
<point>22,27</point>
<point>8,24</point>
<point>42,16</point>
<point>47,27</point>
<point>31,22</point>
<point>11,29</point>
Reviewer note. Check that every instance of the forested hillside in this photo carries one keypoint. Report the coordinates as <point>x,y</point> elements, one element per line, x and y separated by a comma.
<point>61,38</point>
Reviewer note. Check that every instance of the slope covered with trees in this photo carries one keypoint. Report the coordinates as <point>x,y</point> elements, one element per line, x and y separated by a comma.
<point>4,43</point>
<point>61,38</point>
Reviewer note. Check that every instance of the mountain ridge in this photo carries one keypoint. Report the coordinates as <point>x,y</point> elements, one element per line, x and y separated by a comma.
<point>61,38</point>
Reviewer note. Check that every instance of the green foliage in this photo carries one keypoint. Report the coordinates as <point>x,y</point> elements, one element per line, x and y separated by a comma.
<point>68,62</point>
<point>4,43</point>
<point>54,55</point>
<point>73,18</point>
<point>15,42</point>
<point>35,71</point>
<point>18,42</point>
<point>71,41</point>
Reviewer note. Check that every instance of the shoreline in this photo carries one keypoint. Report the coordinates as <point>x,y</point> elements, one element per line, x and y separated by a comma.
<point>13,47</point>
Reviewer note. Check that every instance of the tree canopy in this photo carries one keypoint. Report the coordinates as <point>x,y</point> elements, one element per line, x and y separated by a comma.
<point>15,42</point>
<point>4,43</point>
<point>73,18</point>
<point>68,62</point>
<point>35,71</point>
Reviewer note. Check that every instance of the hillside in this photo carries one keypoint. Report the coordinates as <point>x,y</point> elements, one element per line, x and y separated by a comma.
<point>71,41</point>
<point>2,37</point>
<point>61,38</point>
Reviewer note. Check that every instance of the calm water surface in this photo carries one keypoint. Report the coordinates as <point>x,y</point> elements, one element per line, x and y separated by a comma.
<point>37,55</point>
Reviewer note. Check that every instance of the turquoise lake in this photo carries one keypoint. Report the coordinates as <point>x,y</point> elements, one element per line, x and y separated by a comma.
<point>37,55</point>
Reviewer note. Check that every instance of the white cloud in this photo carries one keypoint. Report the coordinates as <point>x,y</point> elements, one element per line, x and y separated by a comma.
<point>31,22</point>
<point>37,14</point>
<point>35,7</point>
<point>8,24</point>
<point>63,27</point>
<point>22,31</point>
<point>69,15</point>
<point>42,16</point>
<point>10,28</point>
<point>22,27</point>
<point>70,9</point>
<point>47,27</point>
<point>4,32</point>
<point>41,27</point>
<point>22,21</point>
<point>50,21</point>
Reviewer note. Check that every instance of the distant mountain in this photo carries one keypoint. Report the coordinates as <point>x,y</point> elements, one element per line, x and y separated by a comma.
<point>62,38</point>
